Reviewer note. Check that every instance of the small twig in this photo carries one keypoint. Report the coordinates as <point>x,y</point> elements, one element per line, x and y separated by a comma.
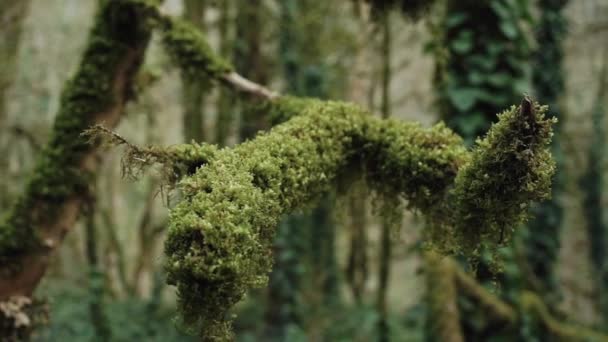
<point>240,83</point>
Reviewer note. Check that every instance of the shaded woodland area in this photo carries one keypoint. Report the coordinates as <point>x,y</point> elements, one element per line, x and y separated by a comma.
<point>301,170</point>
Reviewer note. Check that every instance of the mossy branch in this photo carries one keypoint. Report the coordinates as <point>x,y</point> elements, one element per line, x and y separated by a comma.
<point>189,50</point>
<point>221,233</point>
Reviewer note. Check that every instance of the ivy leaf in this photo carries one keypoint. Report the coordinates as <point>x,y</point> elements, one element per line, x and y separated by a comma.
<point>508,28</point>
<point>456,19</point>
<point>470,125</point>
<point>499,79</point>
<point>501,10</point>
<point>476,77</point>
<point>463,43</point>
<point>463,98</point>
<point>462,46</point>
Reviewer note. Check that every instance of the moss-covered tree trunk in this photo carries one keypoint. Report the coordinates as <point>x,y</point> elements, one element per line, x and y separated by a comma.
<point>12,15</point>
<point>58,186</point>
<point>194,90</point>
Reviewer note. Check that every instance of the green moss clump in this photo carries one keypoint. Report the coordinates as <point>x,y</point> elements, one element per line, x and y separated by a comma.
<point>510,168</point>
<point>188,48</point>
<point>121,28</point>
<point>220,235</point>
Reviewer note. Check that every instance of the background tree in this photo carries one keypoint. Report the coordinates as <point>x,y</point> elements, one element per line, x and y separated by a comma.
<point>13,14</point>
<point>592,183</point>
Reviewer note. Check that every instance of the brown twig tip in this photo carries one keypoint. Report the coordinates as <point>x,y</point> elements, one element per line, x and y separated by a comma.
<point>527,107</point>
<point>106,135</point>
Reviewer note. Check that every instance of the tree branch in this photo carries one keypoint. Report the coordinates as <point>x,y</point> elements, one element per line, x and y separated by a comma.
<point>220,234</point>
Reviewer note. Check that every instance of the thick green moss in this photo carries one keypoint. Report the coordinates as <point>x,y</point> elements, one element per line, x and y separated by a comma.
<point>189,50</point>
<point>509,169</point>
<point>120,27</point>
<point>221,233</point>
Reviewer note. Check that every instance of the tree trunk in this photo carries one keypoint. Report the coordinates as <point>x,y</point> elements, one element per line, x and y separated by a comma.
<point>96,95</point>
<point>385,237</point>
<point>12,15</point>
<point>99,320</point>
<point>194,91</point>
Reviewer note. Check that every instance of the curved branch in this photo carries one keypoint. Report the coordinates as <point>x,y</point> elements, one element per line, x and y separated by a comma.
<point>220,234</point>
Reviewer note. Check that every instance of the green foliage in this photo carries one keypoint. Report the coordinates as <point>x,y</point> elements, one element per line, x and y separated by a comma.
<point>119,27</point>
<point>220,234</point>
<point>487,49</point>
<point>130,319</point>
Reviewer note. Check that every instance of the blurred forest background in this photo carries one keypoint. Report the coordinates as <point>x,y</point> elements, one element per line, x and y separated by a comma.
<point>340,273</point>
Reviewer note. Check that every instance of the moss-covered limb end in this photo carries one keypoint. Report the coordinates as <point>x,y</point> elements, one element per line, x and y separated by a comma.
<point>510,168</point>
<point>189,49</point>
<point>97,92</point>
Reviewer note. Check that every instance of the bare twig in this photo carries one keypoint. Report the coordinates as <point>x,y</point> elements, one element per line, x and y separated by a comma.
<point>241,84</point>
